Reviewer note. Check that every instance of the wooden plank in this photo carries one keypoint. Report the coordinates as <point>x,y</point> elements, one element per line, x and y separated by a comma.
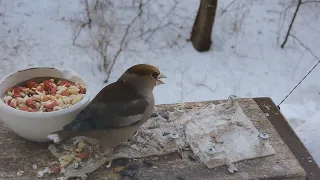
<point>288,135</point>
<point>18,154</point>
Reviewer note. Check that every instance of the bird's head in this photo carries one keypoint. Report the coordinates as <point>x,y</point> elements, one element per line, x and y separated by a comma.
<point>143,75</point>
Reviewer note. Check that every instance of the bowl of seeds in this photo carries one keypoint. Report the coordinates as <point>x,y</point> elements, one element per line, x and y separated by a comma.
<point>38,101</point>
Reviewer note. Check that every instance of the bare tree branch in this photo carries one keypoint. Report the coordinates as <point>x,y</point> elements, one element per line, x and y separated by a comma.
<point>88,14</point>
<point>83,24</point>
<point>226,8</point>
<point>306,47</point>
<point>307,2</point>
<point>77,34</point>
<point>290,26</point>
<point>102,40</point>
<point>203,84</point>
<point>123,42</point>
<point>149,31</point>
<point>161,21</point>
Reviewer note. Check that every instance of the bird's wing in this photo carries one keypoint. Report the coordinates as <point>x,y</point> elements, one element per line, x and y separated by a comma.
<point>116,105</point>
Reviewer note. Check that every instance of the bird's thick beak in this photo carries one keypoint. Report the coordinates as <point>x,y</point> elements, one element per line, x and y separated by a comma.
<point>161,76</point>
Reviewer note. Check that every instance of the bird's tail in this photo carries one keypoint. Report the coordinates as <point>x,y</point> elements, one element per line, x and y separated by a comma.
<point>60,136</point>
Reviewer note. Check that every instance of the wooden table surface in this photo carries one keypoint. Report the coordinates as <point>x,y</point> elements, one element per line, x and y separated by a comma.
<point>291,161</point>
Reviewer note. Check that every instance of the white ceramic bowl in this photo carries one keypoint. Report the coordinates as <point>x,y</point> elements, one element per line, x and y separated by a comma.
<point>35,126</point>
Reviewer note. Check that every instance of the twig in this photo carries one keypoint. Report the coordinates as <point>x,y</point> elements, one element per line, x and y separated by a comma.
<point>202,83</point>
<point>149,31</point>
<point>316,57</point>
<point>290,26</point>
<point>88,14</point>
<point>206,86</point>
<point>225,9</point>
<point>307,2</point>
<point>121,44</point>
<point>83,24</point>
<point>77,34</point>
<point>306,47</point>
<point>161,21</point>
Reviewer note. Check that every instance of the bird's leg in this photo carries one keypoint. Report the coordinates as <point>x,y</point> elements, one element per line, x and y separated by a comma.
<point>131,138</point>
<point>91,141</point>
<point>128,142</point>
<point>134,134</point>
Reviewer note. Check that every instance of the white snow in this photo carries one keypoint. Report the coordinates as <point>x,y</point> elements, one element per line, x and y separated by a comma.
<point>245,59</point>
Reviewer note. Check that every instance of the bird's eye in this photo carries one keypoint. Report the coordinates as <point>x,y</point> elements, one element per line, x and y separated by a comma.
<point>155,75</point>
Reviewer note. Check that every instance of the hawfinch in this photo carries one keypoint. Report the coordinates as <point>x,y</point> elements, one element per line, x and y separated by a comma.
<point>118,110</point>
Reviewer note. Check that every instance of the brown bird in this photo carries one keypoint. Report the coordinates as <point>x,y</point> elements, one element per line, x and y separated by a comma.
<point>118,110</point>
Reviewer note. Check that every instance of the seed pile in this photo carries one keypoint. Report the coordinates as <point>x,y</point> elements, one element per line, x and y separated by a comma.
<point>79,154</point>
<point>50,95</point>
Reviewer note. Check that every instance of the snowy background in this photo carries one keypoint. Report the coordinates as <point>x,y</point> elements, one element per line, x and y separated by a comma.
<point>245,58</point>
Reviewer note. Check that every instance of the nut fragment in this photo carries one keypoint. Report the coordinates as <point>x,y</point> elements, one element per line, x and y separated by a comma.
<point>76,100</point>
<point>7,99</point>
<point>65,160</point>
<point>21,100</point>
<point>40,174</point>
<point>56,170</point>
<point>34,167</point>
<point>83,155</point>
<point>72,91</point>
<point>62,170</point>
<point>47,170</point>
<point>81,145</point>
<point>77,159</point>
<point>57,108</point>
<point>78,150</point>
<point>20,173</point>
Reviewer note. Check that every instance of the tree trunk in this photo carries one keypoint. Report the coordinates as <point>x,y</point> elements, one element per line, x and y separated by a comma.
<point>202,27</point>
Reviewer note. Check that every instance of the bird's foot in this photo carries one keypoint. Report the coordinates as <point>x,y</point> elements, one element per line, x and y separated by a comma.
<point>130,139</point>
<point>134,134</point>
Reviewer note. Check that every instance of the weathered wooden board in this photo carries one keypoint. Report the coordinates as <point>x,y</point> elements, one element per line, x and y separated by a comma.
<point>18,154</point>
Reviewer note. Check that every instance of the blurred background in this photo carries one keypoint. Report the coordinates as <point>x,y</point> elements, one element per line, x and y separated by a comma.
<point>248,48</point>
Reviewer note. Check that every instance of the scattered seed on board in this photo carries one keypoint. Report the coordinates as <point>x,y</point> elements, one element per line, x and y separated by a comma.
<point>34,167</point>
<point>20,173</point>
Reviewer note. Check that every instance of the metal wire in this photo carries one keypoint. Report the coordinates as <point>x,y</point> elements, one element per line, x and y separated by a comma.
<point>298,83</point>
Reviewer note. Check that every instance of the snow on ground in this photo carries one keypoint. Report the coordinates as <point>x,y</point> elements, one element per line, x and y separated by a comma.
<point>246,58</point>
